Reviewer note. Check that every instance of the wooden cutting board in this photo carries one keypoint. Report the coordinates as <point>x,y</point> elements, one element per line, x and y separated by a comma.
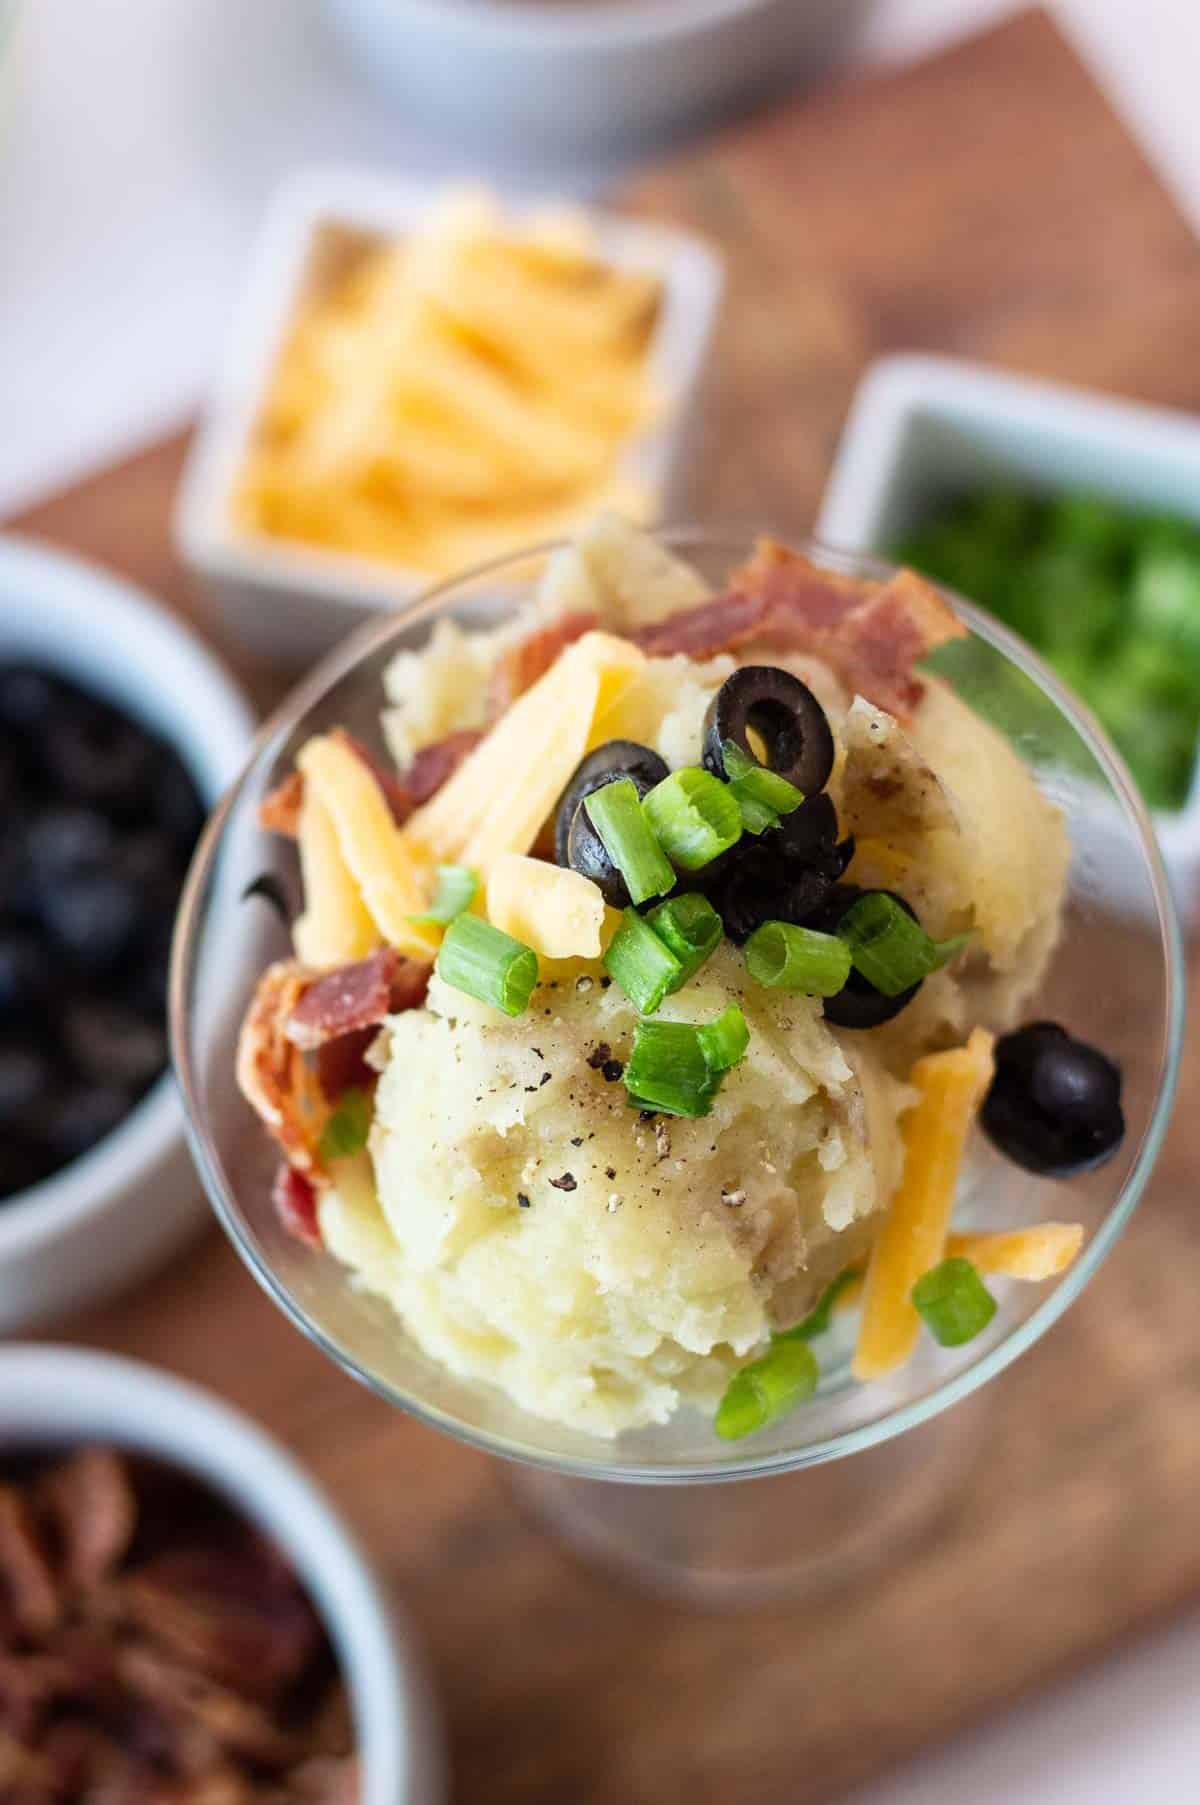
<point>986,202</point>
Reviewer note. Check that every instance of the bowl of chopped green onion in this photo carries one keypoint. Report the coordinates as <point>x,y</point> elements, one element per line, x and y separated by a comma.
<point>1075,520</point>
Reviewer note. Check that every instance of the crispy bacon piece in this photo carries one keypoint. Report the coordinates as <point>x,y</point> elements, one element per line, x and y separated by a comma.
<point>709,628</point>
<point>869,634</point>
<point>295,1199</point>
<point>279,810</point>
<point>30,1599</point>
<point>520,667</point>
<point>435,764</point>
<point>343,1000</point>
<point>271,1070</point>
<point>89,1503</point>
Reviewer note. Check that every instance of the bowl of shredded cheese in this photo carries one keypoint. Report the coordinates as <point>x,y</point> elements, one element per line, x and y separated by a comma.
<point>418,384</point>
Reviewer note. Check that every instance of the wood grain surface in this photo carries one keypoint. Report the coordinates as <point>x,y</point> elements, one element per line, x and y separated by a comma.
<point>987,203</point>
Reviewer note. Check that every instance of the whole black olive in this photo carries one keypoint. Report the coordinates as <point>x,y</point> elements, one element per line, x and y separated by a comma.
<point>1054,1104</point>
<point>785,716</point>
<point>576,842</point>
<point>99,758</point>
<point>760,886</point>
<point>858,1004</point>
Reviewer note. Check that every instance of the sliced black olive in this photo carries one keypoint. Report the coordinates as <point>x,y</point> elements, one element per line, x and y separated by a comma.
<point>858,1004</point>
<point>760,886</point>
<point>809,832</point>
<point>616,758</point>
<point>1054,1104</point>
<point>576,842</point>
<point>785,716</point>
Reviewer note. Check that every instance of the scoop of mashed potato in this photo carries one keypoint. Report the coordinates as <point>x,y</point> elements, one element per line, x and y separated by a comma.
<point>535,1231</point>
<point>538,1233</point>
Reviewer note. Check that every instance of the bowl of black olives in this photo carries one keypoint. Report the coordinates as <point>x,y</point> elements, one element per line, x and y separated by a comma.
<point>118,732</point>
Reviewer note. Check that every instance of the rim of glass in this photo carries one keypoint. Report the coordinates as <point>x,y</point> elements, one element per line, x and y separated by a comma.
<point>371,638</point>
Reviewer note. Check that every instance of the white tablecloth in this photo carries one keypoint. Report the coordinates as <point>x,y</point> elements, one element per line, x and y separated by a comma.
<point>139,140</point>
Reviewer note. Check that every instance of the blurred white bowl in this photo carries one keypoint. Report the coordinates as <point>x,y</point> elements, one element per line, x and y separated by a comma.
<point>292,601</point>
<point>567,74</point>
<point>923,428</point>
<point>54,1397</point>
<point>118,1210</point>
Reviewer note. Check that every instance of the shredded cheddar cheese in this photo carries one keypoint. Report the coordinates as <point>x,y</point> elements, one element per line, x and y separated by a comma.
<point>497,800</point>
<point>950,1088</point>
<point>390,881</point>
<point>558,912</point>
<point>336,925</point>
<point>1021,1253</point>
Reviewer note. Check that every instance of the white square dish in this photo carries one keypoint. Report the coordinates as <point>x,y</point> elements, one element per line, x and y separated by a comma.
<point>921,429</point>
<point>294,601</point>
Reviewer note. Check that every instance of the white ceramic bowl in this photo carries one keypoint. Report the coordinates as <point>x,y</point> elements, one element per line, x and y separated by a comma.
<point>574,74</point>
<point>55,1397</point>
<point>921,428</point>
<point>295,602</point>
<point>121,1208</point>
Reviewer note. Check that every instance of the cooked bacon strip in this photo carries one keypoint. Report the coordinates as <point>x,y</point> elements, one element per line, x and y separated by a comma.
<point>356,996</point>
<point>88,1501</point>
<point>522,665</point>
<point>712,627</point>
<point>295,1199</point>
<point>271,1070</point>
<point>875,645</point>
<point>869,634</point>
<point>279,810</point>
<point>29,1594</point>
<point>341,1001</point>
<point>435,764</point>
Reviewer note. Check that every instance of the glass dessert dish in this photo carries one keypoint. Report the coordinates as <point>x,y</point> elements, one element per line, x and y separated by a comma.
<point>648,1501</point>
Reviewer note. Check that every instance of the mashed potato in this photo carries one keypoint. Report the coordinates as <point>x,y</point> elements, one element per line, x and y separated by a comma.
<point>529,1226</point>
<point>599,1267</point>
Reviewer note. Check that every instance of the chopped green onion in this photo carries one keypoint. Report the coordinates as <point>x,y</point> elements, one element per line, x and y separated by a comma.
<point>954,1301</point>
<point>725,1040</point>
<point>767,1389</point>
<point>345,1133</point>
<point>477,958</point>
<point>667,1069</point>
<point>889,948</point>
<point>456,888</point>
<point>818,1319</point>
<point>783,957</point>
<point>615,812</point>
<point>694,817</point>
<point>643,965</point>
<point>691,927</point>
<point>762,795</point>
<point>677,1067</point>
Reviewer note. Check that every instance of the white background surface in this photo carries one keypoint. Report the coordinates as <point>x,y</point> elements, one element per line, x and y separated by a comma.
<point>139,140</point>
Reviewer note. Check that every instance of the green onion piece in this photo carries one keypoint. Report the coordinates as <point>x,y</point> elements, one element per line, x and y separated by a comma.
<point>954,1301</point>
<point>345,1133</point>
<point>477,958</point>
<point>889,948</point>
<point>767,1389</point>
<point>694,817</point>
<point>725,1040</point>
<point>677,1067</point>
<point>691,927</point>
<point>762,795</point>
<point>615,812</point>
<point>668,1070</point>
<point>783,957</point>
<point>818,1319</point>
<point>642,964</point>
<point>456,888</point>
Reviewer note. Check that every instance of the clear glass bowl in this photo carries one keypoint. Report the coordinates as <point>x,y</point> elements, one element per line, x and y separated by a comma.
<point>1116,980</point>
